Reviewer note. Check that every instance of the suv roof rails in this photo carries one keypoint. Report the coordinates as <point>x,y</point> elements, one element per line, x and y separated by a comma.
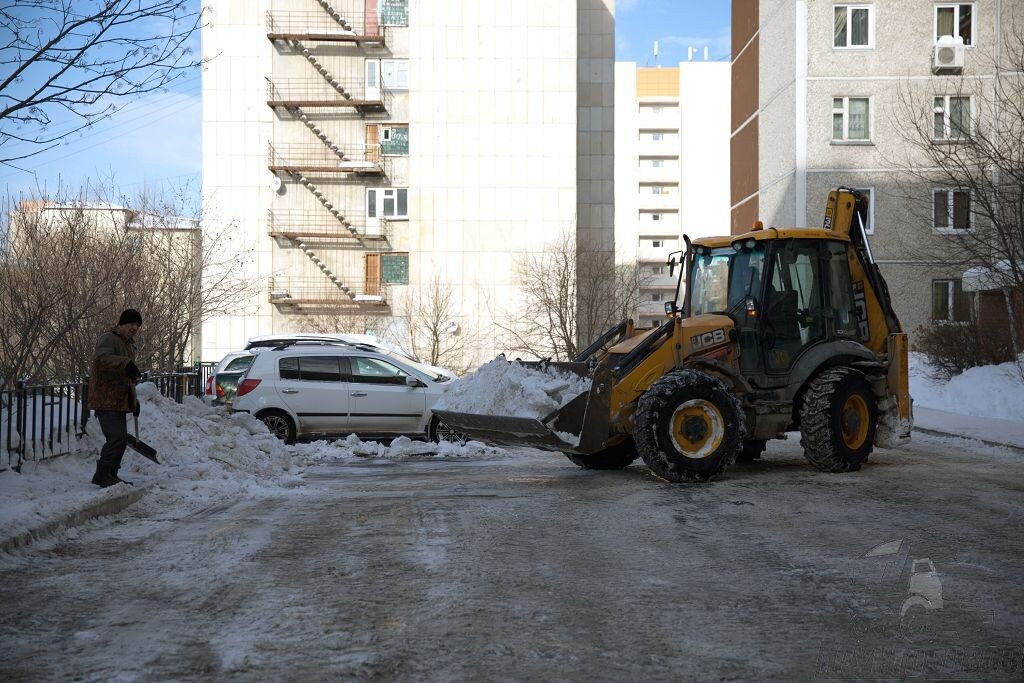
<point>324,342</point>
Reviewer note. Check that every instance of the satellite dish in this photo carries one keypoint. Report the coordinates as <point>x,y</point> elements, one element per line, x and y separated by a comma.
<point>275,183</point>
<point>452,327</point>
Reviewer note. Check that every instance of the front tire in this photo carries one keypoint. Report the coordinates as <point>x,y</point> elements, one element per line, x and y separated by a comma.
<point>615,457</point>
<point>689,426</point>
<point>838,420</point>
<point>279,424</point>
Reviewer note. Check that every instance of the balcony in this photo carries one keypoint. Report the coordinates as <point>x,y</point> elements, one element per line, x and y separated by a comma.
<point>657,202</point>
<point>314,92</point>
<point>659,283</point>
<point>309,224</point>
<point>321,292</point>
<point>358,26</point>
<point>667,119</point>
<point>364,160</point>
<point>665,174</point>
<point>657,255</point>
<point>668,147</point>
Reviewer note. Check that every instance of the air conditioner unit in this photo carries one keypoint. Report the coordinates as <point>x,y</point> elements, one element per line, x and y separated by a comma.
<point>948,55</point>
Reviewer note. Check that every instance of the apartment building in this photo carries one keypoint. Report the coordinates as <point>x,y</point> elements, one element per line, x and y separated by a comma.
<point>671,168</point>
<point>824,95</point>
<point>371,150</point>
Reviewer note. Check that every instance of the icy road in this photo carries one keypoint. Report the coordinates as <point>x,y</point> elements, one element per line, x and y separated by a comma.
<point>524,567</point>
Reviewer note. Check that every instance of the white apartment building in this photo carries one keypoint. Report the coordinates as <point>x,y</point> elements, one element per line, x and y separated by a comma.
<point>819,100</point>
<point>369,149</point>
<point>671,168</point>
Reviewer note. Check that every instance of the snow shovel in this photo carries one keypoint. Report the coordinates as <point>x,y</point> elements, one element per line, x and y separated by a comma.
<point>141,447</point>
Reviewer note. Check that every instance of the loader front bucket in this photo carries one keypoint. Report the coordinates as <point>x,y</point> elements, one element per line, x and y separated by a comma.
<point>581,426</point>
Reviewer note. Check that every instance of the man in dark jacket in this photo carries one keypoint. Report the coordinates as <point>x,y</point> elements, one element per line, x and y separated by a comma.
<point>112,393</point>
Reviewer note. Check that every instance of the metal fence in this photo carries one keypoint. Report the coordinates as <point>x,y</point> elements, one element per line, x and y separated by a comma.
<point>44,421</point>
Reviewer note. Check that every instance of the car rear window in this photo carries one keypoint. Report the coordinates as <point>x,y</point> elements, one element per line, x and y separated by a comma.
<point>310,368</point>
<point>238,364</point>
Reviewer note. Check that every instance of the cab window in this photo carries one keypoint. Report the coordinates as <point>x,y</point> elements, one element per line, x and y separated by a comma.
<point>844,310</point>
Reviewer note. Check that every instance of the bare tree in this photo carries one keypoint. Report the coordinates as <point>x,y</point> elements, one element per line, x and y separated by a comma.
<point>571,295</point>
<point>68,268</point>
<point>429,333</point>
<point>969,144</point>
<point>79,57</point>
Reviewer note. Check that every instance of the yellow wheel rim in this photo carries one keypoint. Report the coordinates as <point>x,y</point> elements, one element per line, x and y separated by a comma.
<point>854,422</point>
<point>698,429</point>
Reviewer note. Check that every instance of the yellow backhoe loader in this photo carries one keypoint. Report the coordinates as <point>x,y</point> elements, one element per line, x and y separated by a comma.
<point>780,329</point>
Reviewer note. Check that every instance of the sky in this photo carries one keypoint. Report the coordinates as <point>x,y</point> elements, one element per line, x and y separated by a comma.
<point>155,142</point>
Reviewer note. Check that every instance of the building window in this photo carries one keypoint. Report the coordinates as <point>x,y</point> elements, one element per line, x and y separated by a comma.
<point>955,20</point>
<point>950,303</point>
<point>852,26</point>
<point>657,137</point>
<point>953,119</point>
<point>657,270</point>
<point>395,73</point>
<point>869,194</point>
<point>655,296</point>
<point>656,243</point>
<point>387,202</point>
<point>952,210</point>
<point>851,118</point>
<point>393,12</point>
<point>395,140</point>
<point>394,269</point>
<point>655,216</point>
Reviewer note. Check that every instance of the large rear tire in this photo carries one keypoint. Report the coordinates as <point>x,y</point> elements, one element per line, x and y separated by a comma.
<point>612,458</point>
<point>838,420</point>
<point>689,426</point>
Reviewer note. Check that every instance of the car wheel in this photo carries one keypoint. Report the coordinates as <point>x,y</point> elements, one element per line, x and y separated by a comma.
<point>439,432</point>
<point>279,424</point>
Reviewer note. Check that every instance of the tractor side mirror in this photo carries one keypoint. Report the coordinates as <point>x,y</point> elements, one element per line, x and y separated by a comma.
<point>670,307</point>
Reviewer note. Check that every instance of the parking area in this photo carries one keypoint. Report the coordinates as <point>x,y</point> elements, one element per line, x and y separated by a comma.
<point>521,566</point>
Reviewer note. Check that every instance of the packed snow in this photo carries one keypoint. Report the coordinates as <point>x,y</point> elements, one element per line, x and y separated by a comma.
<point>205,454</point>
<point>992,391</point>
<point>511,389</point>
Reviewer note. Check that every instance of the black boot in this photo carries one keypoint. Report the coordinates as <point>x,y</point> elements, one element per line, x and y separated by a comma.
<point>102,477</point>
<point>114,479</point>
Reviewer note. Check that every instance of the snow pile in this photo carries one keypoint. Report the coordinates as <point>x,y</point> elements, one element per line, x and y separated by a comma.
<point>995,391</point>
<point>402,447</point>
<point>512,389</point>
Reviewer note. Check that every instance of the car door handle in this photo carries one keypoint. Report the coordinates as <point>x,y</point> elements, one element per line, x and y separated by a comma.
<point>289,391</point>
<point>358,393</point>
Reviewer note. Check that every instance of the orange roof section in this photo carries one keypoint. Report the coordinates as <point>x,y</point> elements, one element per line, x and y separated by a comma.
<point>657,82</point>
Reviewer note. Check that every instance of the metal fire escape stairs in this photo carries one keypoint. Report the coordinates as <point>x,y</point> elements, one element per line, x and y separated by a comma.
<point>299,115</point>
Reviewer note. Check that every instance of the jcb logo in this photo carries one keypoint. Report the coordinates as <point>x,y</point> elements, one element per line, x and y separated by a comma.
<point>860,302</point>
<point>712,338</point>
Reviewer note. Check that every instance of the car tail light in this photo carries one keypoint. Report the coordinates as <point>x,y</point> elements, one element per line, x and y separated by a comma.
<point>220,391</point>
<point>209,385</point>
<point>246,386</point>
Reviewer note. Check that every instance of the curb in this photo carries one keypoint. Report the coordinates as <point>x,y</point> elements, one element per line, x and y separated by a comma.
<point>103,508</point>
<point>987,442</point>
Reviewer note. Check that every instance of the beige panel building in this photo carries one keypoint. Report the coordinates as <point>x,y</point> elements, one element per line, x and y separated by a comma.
<point>820,92</point>
<point>671,168</point>
<point>370,150</point>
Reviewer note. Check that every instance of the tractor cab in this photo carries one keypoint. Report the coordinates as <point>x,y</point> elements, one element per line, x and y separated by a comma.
<point>786,291</point>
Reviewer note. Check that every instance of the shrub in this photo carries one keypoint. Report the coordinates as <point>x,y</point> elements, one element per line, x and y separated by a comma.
<point>952,348</point>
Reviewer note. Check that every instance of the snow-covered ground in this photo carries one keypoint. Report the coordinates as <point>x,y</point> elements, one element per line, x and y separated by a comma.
<point>209,454</point>
<point>993,391</point>
<point>205,454</point>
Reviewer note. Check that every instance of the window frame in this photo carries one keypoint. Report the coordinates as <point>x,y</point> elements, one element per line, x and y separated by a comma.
<point>849,34</point>
<point>956,21</point>
<point>870,191</point>
<point>396,63</point>
<point>950,318</point>
<point>946,125</point>
<point>950,211</point>
<point>370,191</point>
<point>845,111</point>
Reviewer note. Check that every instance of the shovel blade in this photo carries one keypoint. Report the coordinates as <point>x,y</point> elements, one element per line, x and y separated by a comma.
<point>143,448</point>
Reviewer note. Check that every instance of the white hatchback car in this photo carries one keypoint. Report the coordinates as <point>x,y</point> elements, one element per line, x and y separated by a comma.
<point>307,388</point>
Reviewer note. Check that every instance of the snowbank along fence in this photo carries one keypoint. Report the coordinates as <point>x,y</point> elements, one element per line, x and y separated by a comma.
<point>47,420</point>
